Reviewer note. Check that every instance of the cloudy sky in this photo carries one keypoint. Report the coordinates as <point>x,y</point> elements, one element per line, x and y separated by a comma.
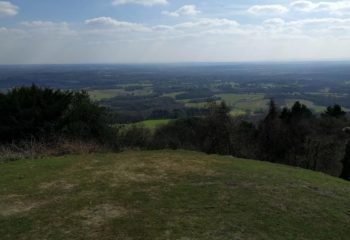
<point>127,31</point>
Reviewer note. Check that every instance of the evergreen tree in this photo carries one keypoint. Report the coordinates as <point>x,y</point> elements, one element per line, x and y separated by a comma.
<point>334,111</point>
<point>346,163</point>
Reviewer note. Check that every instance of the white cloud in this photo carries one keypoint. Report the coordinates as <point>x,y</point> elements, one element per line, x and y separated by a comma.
<point>44,24</point>
<point>321,22</point>
<point>106,39</point>
<point>48,29</point>
<point>274,21</point>
<point>208,22</point>
<point>268,9</point>
<point>115,24</point>
<point>337,7</point>
<point>140,2</point>
<point>8,9</point>
<point>187,10</point>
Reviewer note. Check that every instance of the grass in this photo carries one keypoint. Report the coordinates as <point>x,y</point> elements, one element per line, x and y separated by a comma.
<point>168,195</point>
<point>172,95</point>
<point>233,99</point>
<point>153,124</point>
<point>98,95</point>
<point>242,104</point>
<point>106,94</point>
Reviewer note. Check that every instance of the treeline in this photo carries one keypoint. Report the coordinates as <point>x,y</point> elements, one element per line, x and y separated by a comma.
<point>33,113</point>
<point>292,136</point>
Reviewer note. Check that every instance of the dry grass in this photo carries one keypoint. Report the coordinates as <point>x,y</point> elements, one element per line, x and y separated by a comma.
<point>152,170</point>
<point>97,216</point>
<point>60,185</point>
<point>13,204</point>
<point>38,149</point>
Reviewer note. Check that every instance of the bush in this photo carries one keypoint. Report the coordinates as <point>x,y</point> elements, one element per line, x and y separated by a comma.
<point>134,136</point>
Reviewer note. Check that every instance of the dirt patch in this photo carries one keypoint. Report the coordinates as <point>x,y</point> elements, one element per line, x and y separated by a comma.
<point>183,167</point>
<point>12,206</point>
<point>100,214</point>
<point>126,172</point>
<point>139,169</point>
<point>58,185</point>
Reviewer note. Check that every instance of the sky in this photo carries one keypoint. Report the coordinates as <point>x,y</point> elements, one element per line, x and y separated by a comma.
<point>165,31</point>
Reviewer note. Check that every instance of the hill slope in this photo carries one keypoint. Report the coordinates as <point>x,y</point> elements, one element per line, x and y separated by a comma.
<point>168,195</point>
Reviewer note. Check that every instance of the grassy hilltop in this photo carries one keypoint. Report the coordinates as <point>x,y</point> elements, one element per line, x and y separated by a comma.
<point>168,195</point>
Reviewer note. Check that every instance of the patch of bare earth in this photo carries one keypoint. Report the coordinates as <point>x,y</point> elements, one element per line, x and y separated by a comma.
<point>99,215</point>
<point>155,169</point>
<point>12,205</point>
<point>183,167</point>
<point>58,185</point>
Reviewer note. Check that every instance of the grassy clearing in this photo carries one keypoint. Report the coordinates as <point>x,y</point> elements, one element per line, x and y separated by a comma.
<point>98,95</point>
<point>237,112</point>
<point>168,195</point>
<point>173,94</point>
<point>242,104</point>
<point>106,94</point>
<point>150,124</point>
<point>153,124</point>
<point>232,99</point>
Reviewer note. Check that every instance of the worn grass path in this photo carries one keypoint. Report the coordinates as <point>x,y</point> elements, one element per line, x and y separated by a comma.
<point>168,195</point>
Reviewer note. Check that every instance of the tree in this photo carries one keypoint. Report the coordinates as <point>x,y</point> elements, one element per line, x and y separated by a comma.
<point>29,112</point>
<point>270,135</point>
<point>42,113</point>
<point>297,113</point>
<point>346,163</point>
<point>218,125</point>
<point>84,119</point>
<point>334,111</point>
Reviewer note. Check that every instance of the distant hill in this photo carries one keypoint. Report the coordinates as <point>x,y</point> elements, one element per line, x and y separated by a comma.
<point>168,195</point>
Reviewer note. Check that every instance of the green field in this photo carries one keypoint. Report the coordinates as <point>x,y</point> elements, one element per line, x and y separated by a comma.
<point>150,124</point>
<point>106,94</point>
<point>153,124</point>
<point>241,104</point>
<point>172,95</point>
<point>232,99</point>
<point>98,95</point>
<point>245,103</point>
<point>168,195</point>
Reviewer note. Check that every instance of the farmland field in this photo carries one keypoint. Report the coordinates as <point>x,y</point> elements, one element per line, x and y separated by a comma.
<point>153,124</point>
<point>139,92</point>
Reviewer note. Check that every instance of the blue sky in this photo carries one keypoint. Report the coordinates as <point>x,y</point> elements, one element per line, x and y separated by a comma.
<point>124,31</point>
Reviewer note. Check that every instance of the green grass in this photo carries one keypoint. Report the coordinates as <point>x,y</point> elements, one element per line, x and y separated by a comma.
<point>98,95</point>
<point>106,94</point>
<point>153,124</point>
<point>233,99</point>
<point>150,124</point>
<point>242,104</point>
<point>168,195</point>
<point>172,95</point>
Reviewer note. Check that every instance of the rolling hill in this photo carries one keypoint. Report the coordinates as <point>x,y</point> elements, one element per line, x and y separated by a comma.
<point>168,195</point>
